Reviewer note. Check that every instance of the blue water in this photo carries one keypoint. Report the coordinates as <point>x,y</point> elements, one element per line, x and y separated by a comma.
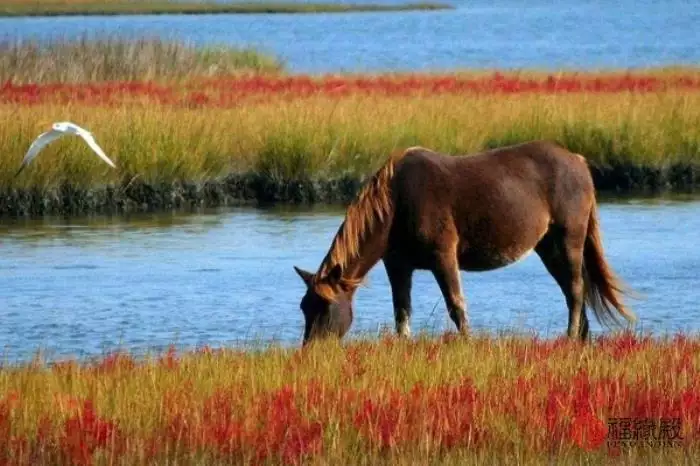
<point>82,286</point>
<point>478,34</point>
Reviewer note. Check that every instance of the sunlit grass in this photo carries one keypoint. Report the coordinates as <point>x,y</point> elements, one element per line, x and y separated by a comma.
<point>440,400</point>
<point>322,136</point>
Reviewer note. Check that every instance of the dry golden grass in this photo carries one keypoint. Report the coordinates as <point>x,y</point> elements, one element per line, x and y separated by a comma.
<point>428,401</point>
<point>324,136</point>
<point>86,60</point>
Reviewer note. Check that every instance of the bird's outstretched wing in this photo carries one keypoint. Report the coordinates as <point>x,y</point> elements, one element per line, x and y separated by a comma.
<point>87,136</point>
<point>38,144</point>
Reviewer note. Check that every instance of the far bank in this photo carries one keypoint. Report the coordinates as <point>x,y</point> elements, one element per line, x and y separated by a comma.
<point>20,8</point>
<point>134,195</point>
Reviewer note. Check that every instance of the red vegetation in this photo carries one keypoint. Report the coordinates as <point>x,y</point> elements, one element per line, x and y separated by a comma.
<point>230,92</point>
<point>548,412</point>
<point>86,432</point>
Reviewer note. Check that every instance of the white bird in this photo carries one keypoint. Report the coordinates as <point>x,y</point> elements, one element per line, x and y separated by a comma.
<point>58,130</point>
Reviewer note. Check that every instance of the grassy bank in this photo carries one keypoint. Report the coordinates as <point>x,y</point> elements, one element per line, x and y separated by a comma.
<point>320,137</point>
<point>219,126</point>
<point>437,401</point>
<point>88,59</point>
<point>139,7</point>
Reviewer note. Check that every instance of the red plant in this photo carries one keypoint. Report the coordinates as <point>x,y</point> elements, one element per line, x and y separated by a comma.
<point>546,408</point>
<point>86,432</point>
<point>114,362</point>
<point>229,92</point>
<point>383,422</point>
<point>169,360</point>
<point>623,345</point>
<point>283,430</point>
<point>446,415</point>
<point>538,350</point>
<point>588,432</point>
<point>11,446</point>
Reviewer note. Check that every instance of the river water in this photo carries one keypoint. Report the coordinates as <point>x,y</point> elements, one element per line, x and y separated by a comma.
<point>83,286</point>
<point>477,34</point>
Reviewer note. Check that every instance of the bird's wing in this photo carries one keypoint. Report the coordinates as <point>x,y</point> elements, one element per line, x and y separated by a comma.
<point>38,144</point>
<point>87,136</point>
<point>73,128</point>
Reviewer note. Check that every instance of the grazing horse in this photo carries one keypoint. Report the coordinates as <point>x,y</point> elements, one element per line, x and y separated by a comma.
<point>431,211</point>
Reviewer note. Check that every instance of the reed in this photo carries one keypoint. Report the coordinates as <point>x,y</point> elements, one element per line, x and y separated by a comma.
<point>318,137</point>
<point>444,400</point>
<point>138,7</point>
<point>87,59</point>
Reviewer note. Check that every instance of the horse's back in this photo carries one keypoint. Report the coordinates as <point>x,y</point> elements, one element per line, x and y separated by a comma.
<point>498,203</point>
<point>535,168</point>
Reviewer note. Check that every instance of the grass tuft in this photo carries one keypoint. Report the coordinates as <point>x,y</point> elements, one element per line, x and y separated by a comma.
<point>88,59</point>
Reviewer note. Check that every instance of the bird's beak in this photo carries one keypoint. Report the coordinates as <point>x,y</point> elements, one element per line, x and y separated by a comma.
<point>20,169</point>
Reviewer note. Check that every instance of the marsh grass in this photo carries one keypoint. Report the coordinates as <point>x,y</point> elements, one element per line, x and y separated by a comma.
<point>322,137</point>
<point>126,7</point>
<point>444,400</point>
<point>89,59</point>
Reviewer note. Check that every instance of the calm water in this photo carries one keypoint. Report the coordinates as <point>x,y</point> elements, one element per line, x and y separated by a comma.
<point>83,286</point>
<point>479,33</point>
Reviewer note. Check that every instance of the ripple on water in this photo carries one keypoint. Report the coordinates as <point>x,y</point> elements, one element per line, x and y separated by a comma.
<point>385,41</point>
<point>76,267</point>
<point>178,292</point>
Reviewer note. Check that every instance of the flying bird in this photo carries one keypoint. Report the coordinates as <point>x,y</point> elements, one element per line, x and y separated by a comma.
<point>58,130</point>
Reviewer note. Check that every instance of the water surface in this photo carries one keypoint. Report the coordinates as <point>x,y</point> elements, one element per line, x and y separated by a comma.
<point>477,34</point>
<point>82,286</point>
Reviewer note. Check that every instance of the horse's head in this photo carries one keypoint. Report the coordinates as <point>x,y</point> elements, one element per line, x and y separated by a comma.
<point>327,304</point>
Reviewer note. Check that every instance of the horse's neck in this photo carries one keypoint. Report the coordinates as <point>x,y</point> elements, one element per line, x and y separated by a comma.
<point>370,252</point>
<point>371,248</point>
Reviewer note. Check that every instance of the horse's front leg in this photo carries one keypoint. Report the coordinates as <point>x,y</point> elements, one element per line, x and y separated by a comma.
<point>400,278</point>
<point>446,272</point>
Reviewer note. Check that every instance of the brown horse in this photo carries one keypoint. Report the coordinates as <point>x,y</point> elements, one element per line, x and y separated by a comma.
<point>431,211</point>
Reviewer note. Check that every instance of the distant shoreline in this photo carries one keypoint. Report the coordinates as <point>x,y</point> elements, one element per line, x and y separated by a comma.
<point>21,9</point>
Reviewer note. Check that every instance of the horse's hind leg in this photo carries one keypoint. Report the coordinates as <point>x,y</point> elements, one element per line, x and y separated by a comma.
<point>400,278</point>
<point>446,272</point>
<point>561,251</point>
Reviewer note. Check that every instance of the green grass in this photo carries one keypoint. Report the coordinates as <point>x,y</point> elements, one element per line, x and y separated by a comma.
<point>126,7</point>
<point>324,137</point>
<point>86,59</point>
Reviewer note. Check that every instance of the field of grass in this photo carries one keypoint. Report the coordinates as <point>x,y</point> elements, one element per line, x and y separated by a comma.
<point>92,60</point>
<point>166,112</point>
<point>137,7</point>
<point>165,134</point>
<point>448,400</point>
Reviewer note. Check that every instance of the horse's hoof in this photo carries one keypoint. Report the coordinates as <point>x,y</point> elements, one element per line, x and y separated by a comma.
<point>403,330</point>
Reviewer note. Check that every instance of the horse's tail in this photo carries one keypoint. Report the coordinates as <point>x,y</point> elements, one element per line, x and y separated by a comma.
<point>603,290</point>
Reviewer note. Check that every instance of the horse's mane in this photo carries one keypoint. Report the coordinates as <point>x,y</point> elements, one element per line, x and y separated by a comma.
<point>371,205</point>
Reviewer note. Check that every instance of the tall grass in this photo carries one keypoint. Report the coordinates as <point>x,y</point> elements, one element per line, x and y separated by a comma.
<point>121,59</point>
<point>325,137</point>
<point>482,400</point>
<point>126,7</point>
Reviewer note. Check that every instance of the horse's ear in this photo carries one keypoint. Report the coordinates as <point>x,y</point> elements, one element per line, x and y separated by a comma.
<point>334,275</point>
<point>306,276</point>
